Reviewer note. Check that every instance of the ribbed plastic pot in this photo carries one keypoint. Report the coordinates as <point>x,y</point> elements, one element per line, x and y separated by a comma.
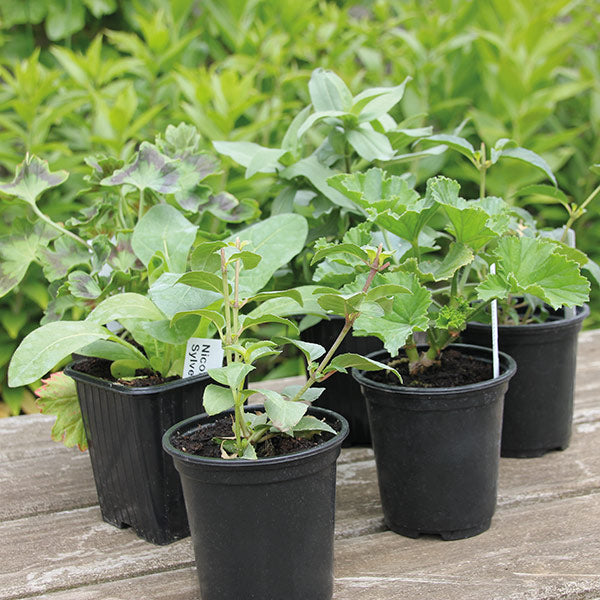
<point>342,394</point>
<point>538,407</point>
<point>262,529</point>
<point>136,482</point>
<point>437,451</point>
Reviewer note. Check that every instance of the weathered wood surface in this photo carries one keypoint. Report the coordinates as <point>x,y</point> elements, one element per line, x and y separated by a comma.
<point>544,542</point>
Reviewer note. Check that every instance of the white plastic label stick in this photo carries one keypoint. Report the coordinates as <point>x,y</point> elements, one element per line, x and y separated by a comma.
<point>495,355</point>
<point>570,312</point>
<point>200,355</point>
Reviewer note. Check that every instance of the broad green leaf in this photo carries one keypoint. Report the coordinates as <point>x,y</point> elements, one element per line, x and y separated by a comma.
<point>277,240</point>
<point>328,91</point>
<point>172,297</point>
<point>249,260</point>
<point>58,396</point>
<point>232,375</point>
<point>452,141</point>
<point>283,413</point>
<point>44,347</point>
<point>124,306</point>
<point>32,178</point>
<point>150,169</point>
<point>311,351</point>
<point>212,315</point>
<point>409,313</point>
<point>309,395</point>
<point>205,256</point>
<point>256,158</point>
<point>247,322</point>
<point>376,102</point>
<point>309,423</point>
<point>456,257</point>
<point>203,280</point>
<point>547,191</point>
<point>318,175</point>
<point>109,350</point>
<point>290,306</point>
<point>163,228</point>
<point>504,150</point>
<point>370,144</point>
<point>342,362</point>
<point>169,332</point>
<point>217,399</point>
<point>343,304</point>
<point>533,266</point>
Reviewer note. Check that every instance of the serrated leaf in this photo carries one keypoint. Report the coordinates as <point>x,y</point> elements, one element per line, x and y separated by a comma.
<point>58,396</point>
<point>32,179</point>
<point>150,169</point>
<point>66,254</point>
<point>44,347</point>
<point>217,399</point>
<point>83,285</point>
<point>163,228</point>
<point>533,266</point>
<point>457,256</point>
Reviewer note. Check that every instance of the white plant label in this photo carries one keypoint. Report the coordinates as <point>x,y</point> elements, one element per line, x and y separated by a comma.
<point>200,355</point>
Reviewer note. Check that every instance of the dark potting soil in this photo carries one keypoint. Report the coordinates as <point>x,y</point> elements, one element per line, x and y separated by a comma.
<point>454,369</point>
<point>200,441</point>
<point>100,367</point>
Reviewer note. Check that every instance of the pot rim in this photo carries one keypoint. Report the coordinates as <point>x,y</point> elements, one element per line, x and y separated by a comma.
<point>127,390</point>
<point>508,368</point>
<point>582,312</point>
<point>261,463</point>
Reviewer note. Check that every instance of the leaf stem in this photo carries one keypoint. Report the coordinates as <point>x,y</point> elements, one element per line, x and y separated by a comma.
<point>58,227</point>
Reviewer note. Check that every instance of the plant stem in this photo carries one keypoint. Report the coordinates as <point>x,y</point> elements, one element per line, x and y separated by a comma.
<point>482,169</point>
<point>58,227</point>
<point>577,213</point>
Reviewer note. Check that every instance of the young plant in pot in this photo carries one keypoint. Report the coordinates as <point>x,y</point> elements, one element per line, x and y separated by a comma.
<point>437,438</point>
<point>118,411</point>
<point>259,481</point>
<point>538,410</point>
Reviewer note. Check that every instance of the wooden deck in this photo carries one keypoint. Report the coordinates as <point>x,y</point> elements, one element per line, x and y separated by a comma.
<point>544,542</point>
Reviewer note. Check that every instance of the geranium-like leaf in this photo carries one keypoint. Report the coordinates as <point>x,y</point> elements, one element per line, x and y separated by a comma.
<point>534,266</point>
<point>407,315</point>
<point>150,169</point>
<point>164,228</point>
<point>65,255</point>
<point>58,396</point>
<point>32,178</point>
<point>457,256</point>
<point>83,285</point>
<point>44,347</point>
<point>228,208</point>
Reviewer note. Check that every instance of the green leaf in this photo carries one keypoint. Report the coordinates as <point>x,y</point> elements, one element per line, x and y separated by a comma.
<point>126,367</point>
<point>534,266</point>
<point>318,116</point>
<point>203,280</point>
<point>58,396</point>
<point>370,144</point>
<point>44,347</point>
<point>457,256</point>
<point>290,306</point>
<point>311,351</point>
<point>309,423</point>
<point>83,285</point>
<point>109,350</point>
<point>32,178</point>
<point>249,260</point>
<point>232,375</point>
<point>163,228</point>
<point>67,253</point>
<point>217,318</point>
<point>342,362</point>
<point>256,158</point>
<point>547,191</point>
<point>283,413</point>
<point>376,102</point>
<point>309,395</point>
<point>409,313</point>
<point>248,322</point>
<point>205,256</point>
<point>522,154</point>
<point>328,91</point>
<point>452,141</point>
<point>172,297</point>
<point>330,250</point>
<point>127,305</point>
<point>17,252</point>
<point>217,399</point>
<point>277,240</point>
<point>150,169</point>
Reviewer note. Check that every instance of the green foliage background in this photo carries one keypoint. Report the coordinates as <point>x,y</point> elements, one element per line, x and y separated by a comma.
<point>81,77</point>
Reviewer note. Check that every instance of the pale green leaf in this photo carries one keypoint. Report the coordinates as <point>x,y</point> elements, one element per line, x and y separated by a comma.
<point>217,399</point>
<point>124,306</point>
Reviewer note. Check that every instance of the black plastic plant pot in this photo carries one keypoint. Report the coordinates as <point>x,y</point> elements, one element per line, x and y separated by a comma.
<point>262,529</point>
<point>437,451</point>
<point>538,407</point>
<point>136,482</point>
<point>342,394</point>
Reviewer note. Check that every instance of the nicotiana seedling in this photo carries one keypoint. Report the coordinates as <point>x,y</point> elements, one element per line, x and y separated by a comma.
<point>285,412</point>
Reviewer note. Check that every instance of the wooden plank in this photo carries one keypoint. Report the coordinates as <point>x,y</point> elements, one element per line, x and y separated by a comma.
<point>549,551</point>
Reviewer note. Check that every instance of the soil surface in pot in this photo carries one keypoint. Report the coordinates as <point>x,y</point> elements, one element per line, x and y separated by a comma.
<point>200,441</point>
<point>453,369</point>
<point>100,367</point>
